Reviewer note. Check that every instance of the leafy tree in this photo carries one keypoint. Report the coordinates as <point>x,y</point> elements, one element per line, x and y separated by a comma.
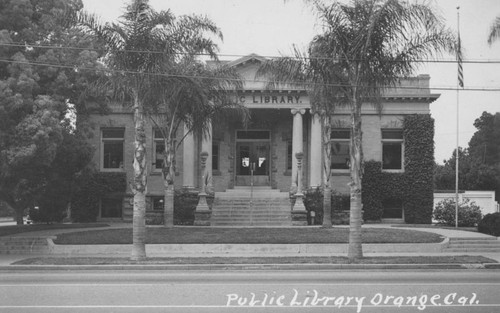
<point>365,47</point>
<point>479,165</point>
<point>150,57</point>
<point>484,145</point>
<point>72,157</point>
<point>444,175</point>
<point>38,77</point>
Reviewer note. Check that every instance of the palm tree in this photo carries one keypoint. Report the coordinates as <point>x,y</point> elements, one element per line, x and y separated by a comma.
<point>494,31</point>
<point>145,55</point>
<point>364,48</point>
<point>197,95</point>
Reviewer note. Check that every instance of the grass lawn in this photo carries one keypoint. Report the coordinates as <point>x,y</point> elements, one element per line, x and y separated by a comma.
<point>207,235</point>
<point>463,259</point>
<point>17,229</point>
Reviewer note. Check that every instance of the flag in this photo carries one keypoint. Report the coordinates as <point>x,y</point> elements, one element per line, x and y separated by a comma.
<point>459,61</point>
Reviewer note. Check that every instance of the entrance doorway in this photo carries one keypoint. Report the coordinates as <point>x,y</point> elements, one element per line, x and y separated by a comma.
<point>252,155</point>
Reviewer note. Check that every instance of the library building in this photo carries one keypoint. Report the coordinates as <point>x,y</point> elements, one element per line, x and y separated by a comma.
<point>255,172</point>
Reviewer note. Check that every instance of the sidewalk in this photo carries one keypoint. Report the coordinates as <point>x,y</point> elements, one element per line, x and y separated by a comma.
<point>416,250</point>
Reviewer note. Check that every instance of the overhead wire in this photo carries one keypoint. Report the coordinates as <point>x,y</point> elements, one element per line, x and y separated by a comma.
<point>234,79</point>
<point>33,46</point>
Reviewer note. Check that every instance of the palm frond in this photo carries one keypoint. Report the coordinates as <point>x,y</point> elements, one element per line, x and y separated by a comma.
<point>494,31</point>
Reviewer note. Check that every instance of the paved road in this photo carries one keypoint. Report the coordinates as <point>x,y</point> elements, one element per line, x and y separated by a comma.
<point>250,291</point>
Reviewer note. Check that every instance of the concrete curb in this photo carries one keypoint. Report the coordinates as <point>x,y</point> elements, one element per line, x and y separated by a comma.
<point>214,250</point>
<point>248,267</point>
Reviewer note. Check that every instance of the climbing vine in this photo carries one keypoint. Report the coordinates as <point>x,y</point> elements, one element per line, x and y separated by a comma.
<point>414,187</point>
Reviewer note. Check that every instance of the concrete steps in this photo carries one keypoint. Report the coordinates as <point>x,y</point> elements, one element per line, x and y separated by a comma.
<point>243,207</point>
<point>483,244</point>
<point>24,245</point>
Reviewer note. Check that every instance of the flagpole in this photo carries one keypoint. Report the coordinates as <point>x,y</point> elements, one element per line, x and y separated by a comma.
<point>459,83</point>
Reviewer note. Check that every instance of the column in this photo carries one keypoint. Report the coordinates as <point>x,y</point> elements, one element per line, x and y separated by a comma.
<point>315,161</point>
<point>297,143</point>
<point>206,146</point>
<point>188,160</point>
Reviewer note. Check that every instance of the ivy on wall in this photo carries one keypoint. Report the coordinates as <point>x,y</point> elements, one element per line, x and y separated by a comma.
<point>414,187</point>
<point>92,186</point>
<point>418,132</point>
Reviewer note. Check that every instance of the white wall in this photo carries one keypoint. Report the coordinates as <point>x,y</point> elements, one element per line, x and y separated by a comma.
<point>484,199</point>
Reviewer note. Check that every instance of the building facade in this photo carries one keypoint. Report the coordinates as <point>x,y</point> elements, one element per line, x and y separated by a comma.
<point>261,158</point>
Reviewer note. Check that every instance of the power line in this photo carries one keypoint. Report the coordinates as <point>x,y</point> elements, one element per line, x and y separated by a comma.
<point>33,46</point>
<point>234,79</point>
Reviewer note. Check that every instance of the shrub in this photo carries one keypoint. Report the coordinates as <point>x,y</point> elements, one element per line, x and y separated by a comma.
<point>47,214</point>
<point>313,201</point>
<point>490,224</point>
<point>185,202</point>
<point>469,213</point>
<point>341,202</point>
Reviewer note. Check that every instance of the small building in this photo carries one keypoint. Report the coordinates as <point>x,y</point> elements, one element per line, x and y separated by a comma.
<point>254,169</point>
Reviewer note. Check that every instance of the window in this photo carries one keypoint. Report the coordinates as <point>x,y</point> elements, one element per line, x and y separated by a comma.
<point>111,207</point>
<point>112,148</point>
<point>393,208</point>
<point>340,155</point>
<point>289,158</point>
<point>159,149</point>
<point>215,156</point>
<point>392,149</point>
<point>157,203</point>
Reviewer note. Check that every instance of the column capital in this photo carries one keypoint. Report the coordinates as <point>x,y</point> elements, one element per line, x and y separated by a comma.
<point>300,111</point>
<point>317,112</point>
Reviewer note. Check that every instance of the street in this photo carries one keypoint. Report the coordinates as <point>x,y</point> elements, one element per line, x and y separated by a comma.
<point>250,291</point>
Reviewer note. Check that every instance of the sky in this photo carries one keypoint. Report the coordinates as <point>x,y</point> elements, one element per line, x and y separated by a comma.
<point>271,28</point>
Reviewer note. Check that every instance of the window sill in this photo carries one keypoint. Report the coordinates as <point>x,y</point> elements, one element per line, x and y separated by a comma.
<point>159,173</point>
<point>115,170</point>
<point>340,173</point>
<point>392,171</point>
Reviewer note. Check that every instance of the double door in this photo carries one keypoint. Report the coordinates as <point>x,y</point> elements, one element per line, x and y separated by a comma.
<point>252,156</point>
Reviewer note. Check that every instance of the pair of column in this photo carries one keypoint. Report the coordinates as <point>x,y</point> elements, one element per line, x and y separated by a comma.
<point>315,161</point>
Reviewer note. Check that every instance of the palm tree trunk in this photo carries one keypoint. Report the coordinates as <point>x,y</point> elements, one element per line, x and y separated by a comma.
<point>168,183</point>
<point>356,155</point>
<point>327,206</point>
<point>139,186</point>
<point>327,190</point>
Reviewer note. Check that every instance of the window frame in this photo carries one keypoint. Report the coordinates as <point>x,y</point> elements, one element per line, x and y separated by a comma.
<point>156,141</point>
<point>152,207</point>
<point>289,156</point>
<point>118,199</point>
<point>340,140</point>
<point>112,140</point>
<point>393,141</point>
<point>215,156</point>
<point>393,205</point>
